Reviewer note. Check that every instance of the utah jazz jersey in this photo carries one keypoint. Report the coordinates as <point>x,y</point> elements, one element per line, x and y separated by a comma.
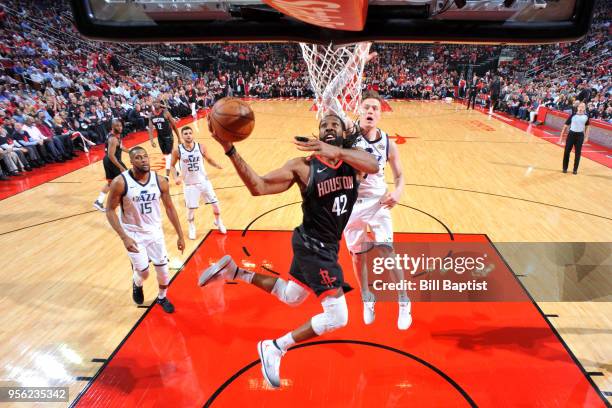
<point>374,185</point>
<point>192,164</point>
<point>140,204</point>
<point>162,125</point>
<point>328,199</point>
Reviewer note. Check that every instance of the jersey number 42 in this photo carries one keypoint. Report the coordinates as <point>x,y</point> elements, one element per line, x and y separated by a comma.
<point>339,206</point>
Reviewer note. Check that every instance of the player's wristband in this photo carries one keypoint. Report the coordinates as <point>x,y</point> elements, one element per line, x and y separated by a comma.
<point>231,151</point>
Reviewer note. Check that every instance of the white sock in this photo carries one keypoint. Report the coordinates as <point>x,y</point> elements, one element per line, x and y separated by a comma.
<point>101,197</point>
<point>163,277</point>
<point>244,275</point>
<point>162,292</point>
<point>285,341</point>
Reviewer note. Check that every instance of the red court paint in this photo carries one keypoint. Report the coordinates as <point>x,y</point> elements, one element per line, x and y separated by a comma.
<point>455,354</point>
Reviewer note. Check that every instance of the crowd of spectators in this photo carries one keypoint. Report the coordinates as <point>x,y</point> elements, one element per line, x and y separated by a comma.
<point>563,75</point>
<point>59,93</point>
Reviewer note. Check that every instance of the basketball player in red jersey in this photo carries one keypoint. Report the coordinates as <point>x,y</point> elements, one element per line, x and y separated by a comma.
<point>113,166</point>
<point>328,181</point>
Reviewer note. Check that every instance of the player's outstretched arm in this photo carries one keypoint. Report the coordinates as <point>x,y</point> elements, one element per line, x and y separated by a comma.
<point>208,158</point>
<point>274,182</point>
<point>175,175</point>
<point>359,159</point>
<point>117,188</point>
<point>390,199</point>
<point>171,211</point>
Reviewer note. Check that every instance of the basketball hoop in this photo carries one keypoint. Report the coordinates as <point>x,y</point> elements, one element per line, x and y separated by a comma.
<point>336,74</point>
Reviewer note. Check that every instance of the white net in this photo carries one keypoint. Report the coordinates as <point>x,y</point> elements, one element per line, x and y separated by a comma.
<point>336,74</point>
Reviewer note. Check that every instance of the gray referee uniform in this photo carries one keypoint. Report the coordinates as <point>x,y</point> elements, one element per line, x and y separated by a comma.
<point>577,124</point>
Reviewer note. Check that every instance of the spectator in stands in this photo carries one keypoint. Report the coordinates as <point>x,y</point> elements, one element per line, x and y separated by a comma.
<point>8,145</point>
<point>3,177</point>
<point>13,165</point>
<point>118,111</point>
<point>35,147</point>
<point>51,153</point>
<point>47,127</point>
<point>56,146</point>
<point>585,93</point>
<point>62,128</point>
<point>30,151</point>
<point>137,117</point>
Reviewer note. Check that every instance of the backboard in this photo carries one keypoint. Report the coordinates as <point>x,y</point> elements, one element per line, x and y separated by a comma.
<point>337,21</point>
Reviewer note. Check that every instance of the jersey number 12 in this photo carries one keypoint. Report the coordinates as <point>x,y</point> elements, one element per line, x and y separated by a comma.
<point>339,206</point>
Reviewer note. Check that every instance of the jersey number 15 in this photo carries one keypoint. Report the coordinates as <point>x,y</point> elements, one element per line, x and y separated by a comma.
<point>145,208</point>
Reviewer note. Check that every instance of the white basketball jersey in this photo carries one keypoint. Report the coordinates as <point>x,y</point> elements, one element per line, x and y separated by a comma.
<point>192,164</point>
<point>374,185</point>
<point>140,204</point>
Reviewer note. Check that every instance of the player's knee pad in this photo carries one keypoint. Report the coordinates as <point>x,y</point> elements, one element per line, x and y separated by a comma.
<point>190,214</point>
<point>289,292</point>
<point>163,275</point>
<point>168,158</point>
<point>334,316</point>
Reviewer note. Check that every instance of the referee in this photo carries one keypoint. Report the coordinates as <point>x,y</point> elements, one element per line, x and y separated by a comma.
<point>578,134</point>
<point>473,91</point>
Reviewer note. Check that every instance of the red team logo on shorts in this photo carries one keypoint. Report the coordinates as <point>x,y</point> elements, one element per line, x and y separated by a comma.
<point>326,279</point>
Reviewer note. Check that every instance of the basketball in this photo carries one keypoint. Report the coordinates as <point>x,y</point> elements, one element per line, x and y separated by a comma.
<point>232,119</point>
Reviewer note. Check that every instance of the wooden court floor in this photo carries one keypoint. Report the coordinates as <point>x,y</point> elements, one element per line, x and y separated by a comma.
<point>66,279</point>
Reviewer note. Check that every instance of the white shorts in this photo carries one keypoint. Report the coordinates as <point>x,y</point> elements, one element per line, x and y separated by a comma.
<point>368,212</point>
<point>193,192</point>
<point>151,248</point>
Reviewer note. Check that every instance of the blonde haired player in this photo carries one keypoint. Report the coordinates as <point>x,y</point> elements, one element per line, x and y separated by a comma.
<point>373,204</point>
<point>191,156</point>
